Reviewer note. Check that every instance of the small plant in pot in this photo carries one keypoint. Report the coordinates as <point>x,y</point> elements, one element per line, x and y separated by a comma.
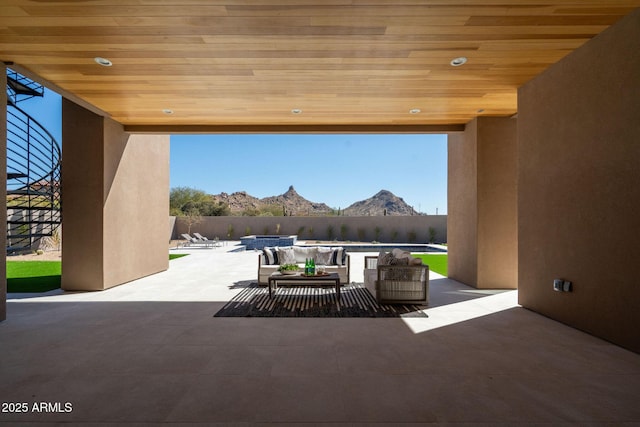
<point>288,268</point>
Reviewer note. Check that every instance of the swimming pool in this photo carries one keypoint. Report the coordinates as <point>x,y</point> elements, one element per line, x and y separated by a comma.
<point>259,242</point>
<point>377,247</point>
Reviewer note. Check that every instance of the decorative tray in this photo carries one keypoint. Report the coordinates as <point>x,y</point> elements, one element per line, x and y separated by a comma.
<point>314,275</point>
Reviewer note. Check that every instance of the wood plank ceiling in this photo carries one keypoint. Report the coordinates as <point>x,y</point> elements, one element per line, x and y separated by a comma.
<point>341,62</point>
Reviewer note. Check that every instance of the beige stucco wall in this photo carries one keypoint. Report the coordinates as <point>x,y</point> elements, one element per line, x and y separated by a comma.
<point>402,225</point>
<point>115,198</point>
<point>3,203</point>
<point>462,204</point>
<point>482,205</point>
<point>82,164</point>
<point>579,192</point>
<point>136,196</point>
<point>497,203</point>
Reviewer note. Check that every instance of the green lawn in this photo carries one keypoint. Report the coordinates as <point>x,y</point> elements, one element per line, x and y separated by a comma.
<point>39,276</point>
<point>437,263</point>
<point>33,276</point>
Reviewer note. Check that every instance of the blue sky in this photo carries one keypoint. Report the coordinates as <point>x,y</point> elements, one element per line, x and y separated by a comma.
<point>334,169</point>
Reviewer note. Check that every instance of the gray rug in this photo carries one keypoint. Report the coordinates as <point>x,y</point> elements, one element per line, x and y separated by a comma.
<point>311,301</point>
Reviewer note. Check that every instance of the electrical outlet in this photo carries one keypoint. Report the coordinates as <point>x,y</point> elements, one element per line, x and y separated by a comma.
<point>558,285</point>
<point>566,286</point>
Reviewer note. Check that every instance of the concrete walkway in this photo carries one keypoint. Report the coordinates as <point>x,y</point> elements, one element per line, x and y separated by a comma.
<point>151,352</point>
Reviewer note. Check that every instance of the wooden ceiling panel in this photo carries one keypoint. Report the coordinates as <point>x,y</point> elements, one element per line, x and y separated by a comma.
<point>343,62</point>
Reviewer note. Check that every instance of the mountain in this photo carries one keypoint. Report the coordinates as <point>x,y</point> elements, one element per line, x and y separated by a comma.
<point>376,206</point>
<point>295,204</point>
<point>238,201</point>
<point>291,201</point>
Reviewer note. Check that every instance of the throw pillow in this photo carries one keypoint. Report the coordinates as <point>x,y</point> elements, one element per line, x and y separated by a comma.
<point>324,255</point>
<point>399,253</point>
<point>415,261</point>
<point>339,256</point>
<point>270,255</point>
<point>286,256</point>
<point>399,261</point>
<point>385,258</point>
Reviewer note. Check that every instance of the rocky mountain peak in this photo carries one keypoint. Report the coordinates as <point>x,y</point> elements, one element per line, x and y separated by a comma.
<point>295,204</point>
<point>384,202</point>
<point>384,194</point>
<point>291,192</point>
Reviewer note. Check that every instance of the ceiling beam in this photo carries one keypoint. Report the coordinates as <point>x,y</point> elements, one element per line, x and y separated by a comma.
<point>308,129</point>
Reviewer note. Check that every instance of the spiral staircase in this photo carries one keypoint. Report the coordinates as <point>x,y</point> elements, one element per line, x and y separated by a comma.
<point>33,172</point>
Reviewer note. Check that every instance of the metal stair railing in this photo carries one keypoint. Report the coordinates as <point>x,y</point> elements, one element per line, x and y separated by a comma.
<point>33,179</point>
<point>19,86</point>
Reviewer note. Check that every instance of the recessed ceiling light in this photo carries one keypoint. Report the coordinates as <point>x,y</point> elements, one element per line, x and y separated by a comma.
<point>103,61</point>
<point>414,111</point>
<point>296,111</point>
<point>167,111</point>
<point>461,60</point>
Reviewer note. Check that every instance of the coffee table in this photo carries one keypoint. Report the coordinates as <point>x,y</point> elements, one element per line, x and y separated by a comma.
<point>300,279</point>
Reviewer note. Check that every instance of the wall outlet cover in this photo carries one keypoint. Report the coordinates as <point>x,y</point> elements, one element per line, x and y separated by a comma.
<point>558,285</point>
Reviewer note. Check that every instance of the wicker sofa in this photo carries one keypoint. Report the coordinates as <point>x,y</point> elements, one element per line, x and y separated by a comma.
<point>397,278</point>
<point>335,260</point>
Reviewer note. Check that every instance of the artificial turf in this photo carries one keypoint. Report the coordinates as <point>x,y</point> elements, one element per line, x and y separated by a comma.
<point>33,276</point>
<point>437,263</point>
<point>39,276</point>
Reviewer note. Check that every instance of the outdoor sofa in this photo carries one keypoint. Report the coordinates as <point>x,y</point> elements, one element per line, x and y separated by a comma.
<point>397,278</point>
<point>335,260</point>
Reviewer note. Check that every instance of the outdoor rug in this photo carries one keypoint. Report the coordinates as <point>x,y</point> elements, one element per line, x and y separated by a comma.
<point>313,301</point>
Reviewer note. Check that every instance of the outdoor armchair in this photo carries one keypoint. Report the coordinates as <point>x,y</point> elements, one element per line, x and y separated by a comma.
<point>397,284</point>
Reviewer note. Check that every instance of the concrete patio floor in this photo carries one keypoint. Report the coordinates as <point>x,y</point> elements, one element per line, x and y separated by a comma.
<point>150,352</point>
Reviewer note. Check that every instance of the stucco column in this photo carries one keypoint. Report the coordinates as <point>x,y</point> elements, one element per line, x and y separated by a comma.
<point>3,184</point>
<point>482,204</point>
<point>115,190</point>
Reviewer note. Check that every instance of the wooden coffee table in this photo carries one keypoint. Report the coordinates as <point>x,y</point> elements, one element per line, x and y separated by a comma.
<point>302,280</point>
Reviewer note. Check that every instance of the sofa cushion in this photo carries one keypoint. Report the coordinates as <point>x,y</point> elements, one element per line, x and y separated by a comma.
<point>304,252</point>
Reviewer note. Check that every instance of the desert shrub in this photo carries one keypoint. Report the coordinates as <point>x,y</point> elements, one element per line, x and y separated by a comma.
<point>432,234</point>
<point>343,231</point>
<point>377,231</point>
<point>330,232</point>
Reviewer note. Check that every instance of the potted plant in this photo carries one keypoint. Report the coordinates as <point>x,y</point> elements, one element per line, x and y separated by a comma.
<point>288,268</point>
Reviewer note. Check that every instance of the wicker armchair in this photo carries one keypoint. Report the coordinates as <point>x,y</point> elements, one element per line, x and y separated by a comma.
<point>397,284</point>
